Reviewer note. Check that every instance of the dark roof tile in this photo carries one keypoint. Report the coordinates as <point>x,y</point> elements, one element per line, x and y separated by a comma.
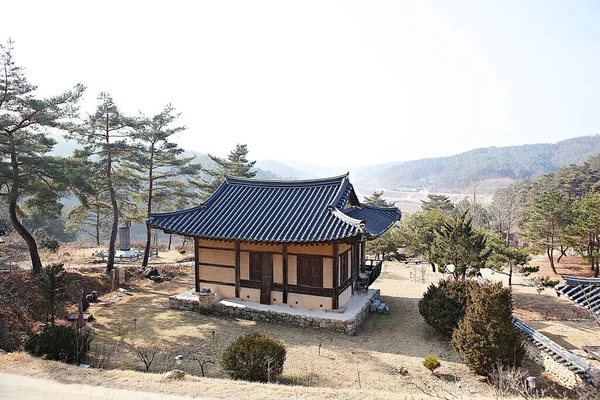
<point>278,211</point>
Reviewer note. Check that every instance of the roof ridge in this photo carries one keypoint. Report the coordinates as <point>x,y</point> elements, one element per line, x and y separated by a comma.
<point>365,205</point>
<point>176,212</point>
<point>286,182</point>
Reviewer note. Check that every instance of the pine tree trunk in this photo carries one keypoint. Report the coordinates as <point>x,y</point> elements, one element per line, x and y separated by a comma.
<point>150,187</point>
<point>110,264</point>
<point>170,240</point>
<point>510,272</point>
<point>550,252</point>
<point>115,228</point>
<point>432,266</point>
<point>98,226</point>
<point>563,253</point>
<point>36,263</point>
<point>52,294</point>
<point>147,249</point>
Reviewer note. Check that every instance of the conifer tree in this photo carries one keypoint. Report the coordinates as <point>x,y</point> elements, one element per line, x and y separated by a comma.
<point>104,136</point>
<point>547,221</point>
<point>376,199</point>
<point>458,244</point>
<point>437,202</point>
<point>93,215</point>
<point>236,164</point>
<point>486,337</point>
<point>26,169</point>
<point>158,162</point>
<point>584,231</point>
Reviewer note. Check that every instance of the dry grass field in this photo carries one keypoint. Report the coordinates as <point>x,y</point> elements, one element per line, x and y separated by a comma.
<point>384,343</point>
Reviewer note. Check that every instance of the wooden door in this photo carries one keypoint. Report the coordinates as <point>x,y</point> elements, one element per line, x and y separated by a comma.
<point>266,266</point>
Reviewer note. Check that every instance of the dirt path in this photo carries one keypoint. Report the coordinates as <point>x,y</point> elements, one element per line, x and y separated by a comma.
<point>18,387</point>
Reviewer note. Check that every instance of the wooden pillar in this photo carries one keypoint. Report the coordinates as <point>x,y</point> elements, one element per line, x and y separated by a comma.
<point>363,253</point>
<point>336,276</point>
<point>237,269</point>
<point>352,266</point>
<point>285,274</point>
<point>196,265</point>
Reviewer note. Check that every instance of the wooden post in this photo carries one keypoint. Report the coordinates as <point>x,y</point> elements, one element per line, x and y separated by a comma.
<point>336,276</point>
<point>237,269</point>
<point>363,253</point>
<point>352,266</point>
<point>197,265</point>
<point>285,274</point>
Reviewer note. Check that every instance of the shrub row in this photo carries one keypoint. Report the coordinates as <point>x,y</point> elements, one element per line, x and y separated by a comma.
<point>478,318</point>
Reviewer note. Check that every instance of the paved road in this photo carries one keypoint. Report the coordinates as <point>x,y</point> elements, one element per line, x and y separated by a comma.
<point>18,387</point>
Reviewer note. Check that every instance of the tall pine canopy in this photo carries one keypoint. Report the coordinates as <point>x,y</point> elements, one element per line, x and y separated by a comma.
<point>158,164</point>
<point>236,164</point>
<point>29,177</point>
<point>376,199</point>
<point>104,136</point>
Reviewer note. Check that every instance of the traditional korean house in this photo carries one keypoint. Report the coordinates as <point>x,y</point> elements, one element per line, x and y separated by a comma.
<point>300,243</point>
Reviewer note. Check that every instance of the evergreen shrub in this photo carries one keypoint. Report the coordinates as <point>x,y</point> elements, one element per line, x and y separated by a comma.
<point>61,343</point>
<point>254,357</point>
<point>442,306</point>
<point>486,337</point>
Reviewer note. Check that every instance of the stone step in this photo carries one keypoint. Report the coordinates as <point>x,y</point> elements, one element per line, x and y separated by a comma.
<point>375,304</point>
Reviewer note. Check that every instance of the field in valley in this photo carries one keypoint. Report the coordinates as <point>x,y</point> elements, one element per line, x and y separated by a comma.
<point>386,342</point>
<point>366,362</point>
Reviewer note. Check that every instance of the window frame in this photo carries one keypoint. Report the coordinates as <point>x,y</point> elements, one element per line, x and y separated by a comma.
<point>306,265</point>
<point>343,266</point>
<point>258,267</point>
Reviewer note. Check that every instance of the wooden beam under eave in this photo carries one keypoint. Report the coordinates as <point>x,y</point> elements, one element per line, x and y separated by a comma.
<point>336,276</point>
<point>285,274</point>
<point>197,265</point>
<point>237,269</point>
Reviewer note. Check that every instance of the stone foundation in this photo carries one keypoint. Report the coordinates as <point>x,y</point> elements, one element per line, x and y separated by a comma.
<point>561,373</point>
<point>346,321</point>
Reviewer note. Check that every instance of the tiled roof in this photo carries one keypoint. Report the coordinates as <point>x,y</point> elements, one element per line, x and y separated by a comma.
<point>279,212</point>
<point>584,292</point>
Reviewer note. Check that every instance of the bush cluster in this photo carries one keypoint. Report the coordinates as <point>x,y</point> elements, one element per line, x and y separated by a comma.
<point>254,357</point>
<point>486,337</point>
<point>61,343</point>
<point>442,306</point>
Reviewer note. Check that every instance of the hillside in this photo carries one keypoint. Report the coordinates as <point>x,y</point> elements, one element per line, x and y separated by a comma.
<point>461,170</point>
<point>487,166</point>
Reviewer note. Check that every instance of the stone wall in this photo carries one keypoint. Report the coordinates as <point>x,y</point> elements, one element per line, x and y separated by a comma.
<point>561,373</point>
<point>209,304</point>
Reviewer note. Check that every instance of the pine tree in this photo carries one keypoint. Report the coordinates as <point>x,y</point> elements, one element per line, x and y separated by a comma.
<point>236,164</point>
<point>53,285</point>
<point>437,202</point>
<point>104,136</point>
<point>417,234</point>
<point>502,256</point>
<point>92,215</point>
<point>458,244</point>
<point>26,169</point>
<point>584,231</point>
<point>376,199</point>
<point>486,337</point>
<point>547,221</point>
<point>158,162</point>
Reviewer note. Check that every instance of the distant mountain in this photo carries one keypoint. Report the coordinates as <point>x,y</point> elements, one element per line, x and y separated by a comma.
<point>498,165</point>
<point>283,170</point>
<point>513,162</point>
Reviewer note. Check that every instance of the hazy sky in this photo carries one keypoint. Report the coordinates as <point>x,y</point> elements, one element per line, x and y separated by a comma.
<point>328,82</point>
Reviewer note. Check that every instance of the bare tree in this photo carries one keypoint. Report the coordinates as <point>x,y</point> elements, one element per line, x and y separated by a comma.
<point>202,362</point>
<point>147,353</point>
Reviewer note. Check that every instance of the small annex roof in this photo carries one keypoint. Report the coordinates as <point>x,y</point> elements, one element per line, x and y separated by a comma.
<point>585,292</point>
<point>273,211</point>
